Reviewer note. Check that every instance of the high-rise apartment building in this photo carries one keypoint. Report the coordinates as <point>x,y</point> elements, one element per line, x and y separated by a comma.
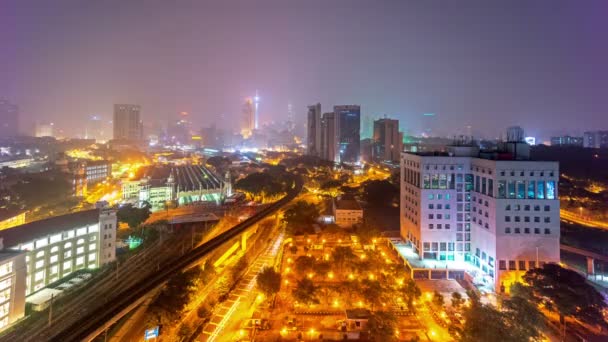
<point>127,122</point>
<point>595,139</point>
<point>248,118</point>
<point>314,130</point>
<point>567,140</point>
<point>9,119</point>
<point>329,142</point>
<point>388,142</point>
<point>492,214</point>
<point>348,127</point>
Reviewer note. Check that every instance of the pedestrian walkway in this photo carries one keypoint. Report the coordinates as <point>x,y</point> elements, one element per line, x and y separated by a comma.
<point>240,299</point>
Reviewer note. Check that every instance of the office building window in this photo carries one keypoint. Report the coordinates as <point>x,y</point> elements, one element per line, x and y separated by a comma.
<point>547,231</point>
<point>507,230</point>
<point>431,206</point>
<point>431,226</point>
<point>521,190</point>
<point>512,265</point>
<point>502,265</point>
<point>439,226</point>
<point>79,261</point>
<point>536,230</point>
<point>517,230</point>
<point>551,190</point>
<point>522,265</point>
<point>547,219</point>
<point>531,190</point>
<point>447,226</point>
<point>540,190</point>
<point>526,230</point>
<point>531,264</point>
<point>507,218</point>
<point>547,208</point>
<point>511,189</point>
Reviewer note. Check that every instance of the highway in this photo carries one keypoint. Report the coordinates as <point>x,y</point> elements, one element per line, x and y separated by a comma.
<point>570,216</point>
<point>92,323</point>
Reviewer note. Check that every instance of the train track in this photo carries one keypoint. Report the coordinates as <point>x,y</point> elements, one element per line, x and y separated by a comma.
<point>85,327</point>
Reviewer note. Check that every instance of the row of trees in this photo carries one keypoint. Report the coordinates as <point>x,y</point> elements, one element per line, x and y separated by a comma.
<point>519,318</point>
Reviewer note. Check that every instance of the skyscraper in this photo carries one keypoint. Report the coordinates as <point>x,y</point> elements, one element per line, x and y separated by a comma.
<point>9,119</point>
<point>314,130</point>
<point>388,142</point>
<point>248,118</point>
<point>256,102</point>
<point>127,122</point>
<point>348,127</point>
<point>329,137</point>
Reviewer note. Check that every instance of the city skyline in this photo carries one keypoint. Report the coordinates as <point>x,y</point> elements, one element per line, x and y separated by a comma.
<point>470,65</point>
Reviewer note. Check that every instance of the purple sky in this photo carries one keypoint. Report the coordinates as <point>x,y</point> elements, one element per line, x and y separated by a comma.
<point>489,64</point>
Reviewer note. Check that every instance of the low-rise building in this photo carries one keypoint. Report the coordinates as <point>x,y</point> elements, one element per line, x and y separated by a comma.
<point>60,245</point>
<point>11,218</point>
<point>347,212</point>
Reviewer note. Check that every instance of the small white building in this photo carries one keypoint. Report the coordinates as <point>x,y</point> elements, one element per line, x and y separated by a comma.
<point>347,212</point>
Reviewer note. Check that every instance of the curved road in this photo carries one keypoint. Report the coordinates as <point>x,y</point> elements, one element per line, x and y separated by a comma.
<point>87,325</point>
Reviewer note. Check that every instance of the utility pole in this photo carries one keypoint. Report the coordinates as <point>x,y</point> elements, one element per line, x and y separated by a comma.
<point>51,311</point>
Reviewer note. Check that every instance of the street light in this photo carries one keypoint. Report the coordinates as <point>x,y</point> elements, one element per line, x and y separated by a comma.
<point>311,332</point>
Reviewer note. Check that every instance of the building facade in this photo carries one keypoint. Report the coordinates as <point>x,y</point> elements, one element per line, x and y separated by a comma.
<point>12,287</point>
<point>388,141</point>
<point>595,139</point>
<point>127,122</point>
<point>60,245</point>
<point>347,212</point>
<point>499,217</point>
<point>329,145</point>
<point>567,140</point>
<point>313,132</point>
<point>96,171</point>
<point>348,127</point>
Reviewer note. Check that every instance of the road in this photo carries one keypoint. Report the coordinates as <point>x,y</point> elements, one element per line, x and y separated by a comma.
<point>92,322</point>
<point>570,216</point>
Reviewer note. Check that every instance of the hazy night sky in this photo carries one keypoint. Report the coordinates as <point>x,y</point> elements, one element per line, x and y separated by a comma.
<point>540,64</point>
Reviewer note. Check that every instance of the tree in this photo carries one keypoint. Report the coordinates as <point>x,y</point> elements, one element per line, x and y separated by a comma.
<point>203,312</point>
<point>238,268</point>
<point>301,213</point>
<point>457,300</point>
<point>372,292</point>
<point>382,326</point>
<point>260,184</point>
<point>485,323</point>
<point>342,255</point>
<point>566,292</point>
<point>367,231</point>
<point>306,292</point>
<point>304,264</point>
<point>174,296</point>
<point>438,299</point>
<point>524,317</point>
<point>380,193</point>
<point>133,216</point>
<point>269,281</point>
<point>412,292</point>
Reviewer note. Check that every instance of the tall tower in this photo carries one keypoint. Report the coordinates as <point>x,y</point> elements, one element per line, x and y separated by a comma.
<point>248,119</point>
<point>256,101</point>
<point>314,130</point>
<point>127,122</point>
<point>348,128</point>
<point>388,142</point>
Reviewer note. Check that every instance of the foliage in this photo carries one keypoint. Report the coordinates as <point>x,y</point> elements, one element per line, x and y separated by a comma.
<point>133,216</point>
<point>380,192</point>
<point>525,318</point>
<point>382,326</point>
<point>457,300</point>
<point>372,291</point>
<point>238,269</point>
<point>203,312</point>
<point>367,231</point>
<point>485,323</point>
<point>269,281</point>
<point>306,292</point>
<point>304,264</point>
<point>42,189</point>
<point>342,255</point>
<point>300,216</point>
<point>185,331</point>
<point>260,184</point>
<point>412,292</point>
<point>566,292</point>
<point>222,286</point>
<point>438,299</point>
<point>218,162</point>
<point>174,296</point>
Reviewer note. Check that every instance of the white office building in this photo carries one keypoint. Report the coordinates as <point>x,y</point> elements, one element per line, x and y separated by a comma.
<point>60,245</point>
<point>489,214</point>
<point>12,287</point>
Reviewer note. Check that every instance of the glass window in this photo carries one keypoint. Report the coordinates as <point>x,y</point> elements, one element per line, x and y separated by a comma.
<point>42,243</point>
<point>431,196</point>
<point>512,265</point>
<point>426,181</point>
<point>521,190</point>
<point>526,230</point>
<point>79,250</point>
<point>511,189</point>
<point>92,257</point>
<point>517,231</point>
<point>531,190</point>
<point>483,185</point>
<point>39,275</point>
<point>531,264</point>
<point>92,246</point>
<point>477,184</point>
<point>502,189</point>
<point>67,265</point>
<point>431,226</point>
<point>547,231</point>
<point>522,265</point>
<point>551,190</point>
<point>431,206</point>
<point>540,190</point>
<point>490,187</point>
<point>507,218</point>
<point>502,265</point>
<point>435,181</point>
<point>53,258</point>
<point>507,230</point>
<point>55,238</point>
<point>79,261</point>
<point>547,208</point>
<point>536,230</point>
<point>443,180</point>
<point>426,246</point>
<point>81,231</point>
